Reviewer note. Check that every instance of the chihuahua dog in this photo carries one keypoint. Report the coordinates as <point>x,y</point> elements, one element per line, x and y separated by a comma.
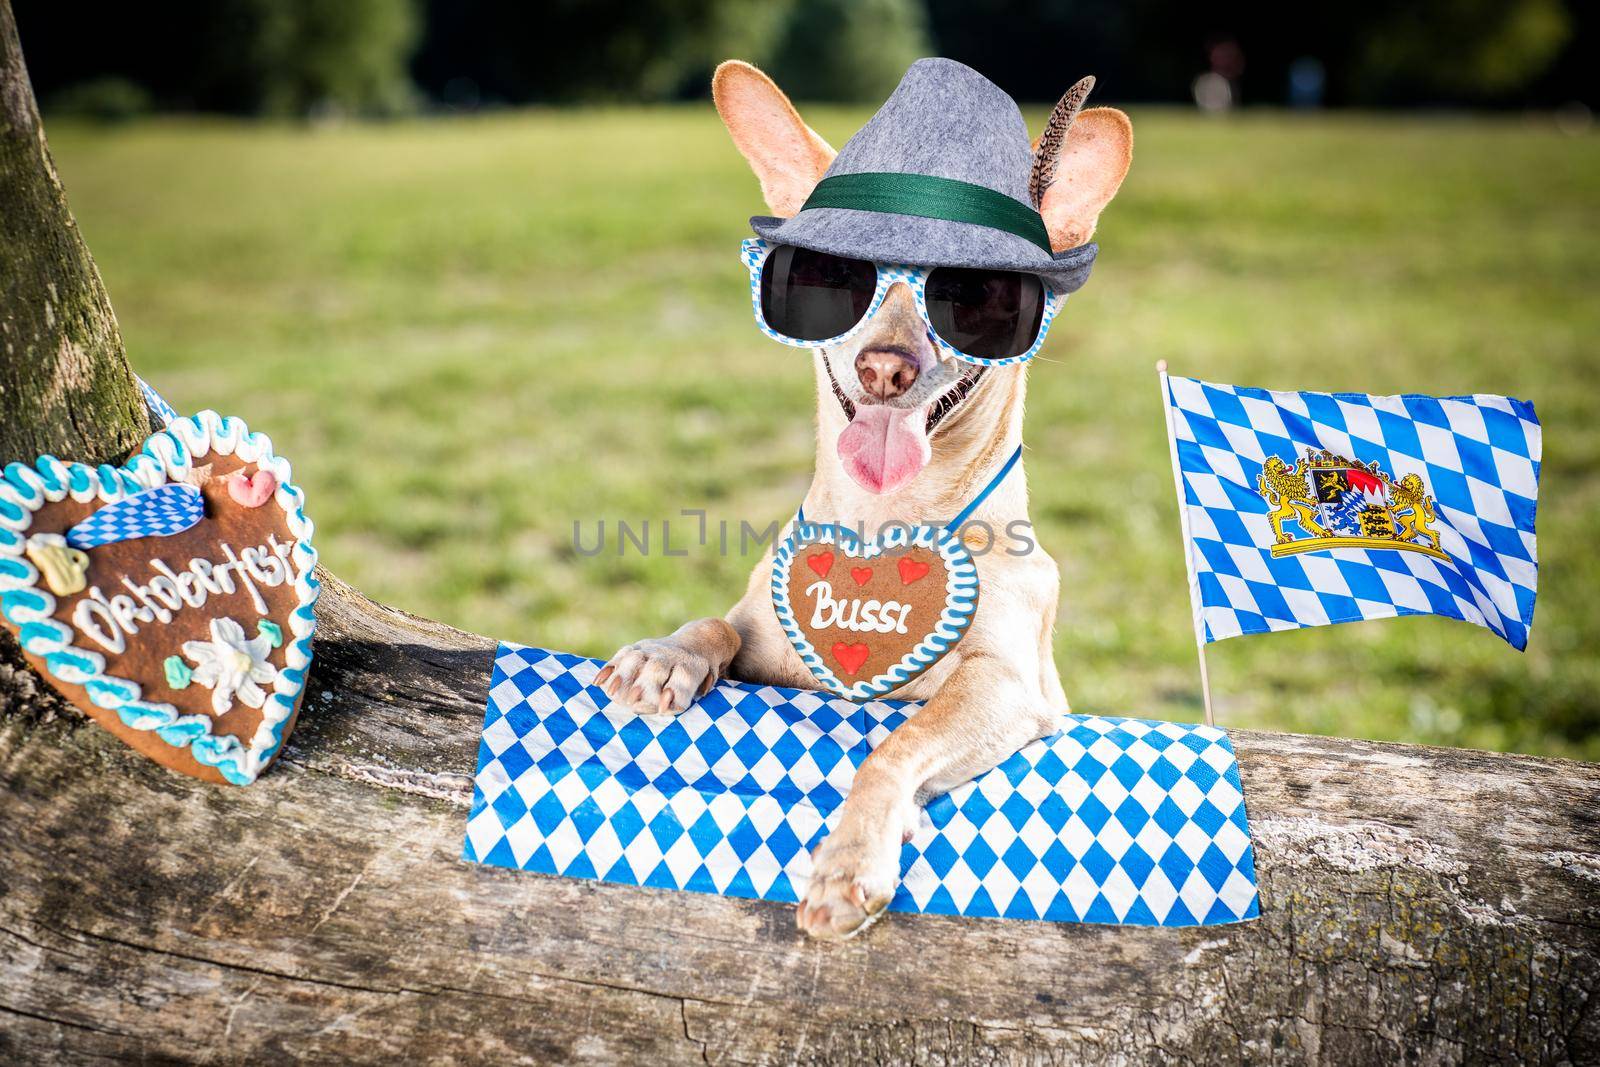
<point>905,434</point>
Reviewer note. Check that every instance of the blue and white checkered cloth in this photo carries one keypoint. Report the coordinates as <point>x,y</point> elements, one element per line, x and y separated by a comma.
<point>155,403</point>
<point>1108,821</point>
<point>1477,456</point>
<point>159,512</point>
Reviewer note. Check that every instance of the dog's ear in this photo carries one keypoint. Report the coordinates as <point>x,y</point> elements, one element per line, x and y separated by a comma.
<point>1078,164</point>
<point>786,154</point>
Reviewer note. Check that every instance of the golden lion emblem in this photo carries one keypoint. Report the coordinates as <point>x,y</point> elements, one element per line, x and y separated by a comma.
<point>1289,496</point>
<point>1413,510</point>
<point>1341,503</point>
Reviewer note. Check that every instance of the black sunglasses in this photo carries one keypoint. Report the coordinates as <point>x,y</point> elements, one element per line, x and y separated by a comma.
<point>812,299</point>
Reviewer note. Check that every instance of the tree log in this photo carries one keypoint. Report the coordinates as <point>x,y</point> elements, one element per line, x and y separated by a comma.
<point>65,386</point>
<point>1417,904</point>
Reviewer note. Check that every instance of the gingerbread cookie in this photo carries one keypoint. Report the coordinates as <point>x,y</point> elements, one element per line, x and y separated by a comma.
<point>868,616</point>
<point>172,598</point>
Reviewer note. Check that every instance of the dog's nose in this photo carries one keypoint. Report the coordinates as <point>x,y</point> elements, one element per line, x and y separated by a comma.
<point>885,373</point>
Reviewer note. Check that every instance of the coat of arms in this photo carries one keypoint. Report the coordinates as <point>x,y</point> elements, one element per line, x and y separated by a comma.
<point>1343,503</point>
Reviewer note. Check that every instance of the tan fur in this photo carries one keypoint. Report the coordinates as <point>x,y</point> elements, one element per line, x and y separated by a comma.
<point>1090,169</point>
<point>788,156</point>
<point>999,688</point>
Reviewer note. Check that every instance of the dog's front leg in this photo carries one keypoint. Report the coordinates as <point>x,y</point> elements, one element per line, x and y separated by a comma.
<point>985,711</point>
<point>664,675</point>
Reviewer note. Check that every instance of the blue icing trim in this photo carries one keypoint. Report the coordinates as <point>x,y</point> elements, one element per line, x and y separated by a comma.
<point>142,716</point>
<point>234,775</point>
<point>25,601</point>
<point>43,638</point>
<point>15,568</point>
<point>181,733</point>
<point>12,512</point>
<point>108,692</point>
<point>53,472</point>
<point>180,451</point>
<point>18,477</point>
<point>109,483</point>
<point>9,537</point>
<point>80,479</point>
<point>213,748</point>
<point>223,753</point>
<point>69,664</point>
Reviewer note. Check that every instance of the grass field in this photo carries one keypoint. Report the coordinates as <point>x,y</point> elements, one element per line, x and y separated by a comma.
<point>470,334</point>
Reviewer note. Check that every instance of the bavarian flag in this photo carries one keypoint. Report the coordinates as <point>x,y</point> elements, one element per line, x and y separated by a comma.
<point>1303,509</point>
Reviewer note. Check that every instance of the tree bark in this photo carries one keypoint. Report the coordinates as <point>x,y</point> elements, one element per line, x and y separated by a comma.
<point>1417,904</point>
<point>65,386</point>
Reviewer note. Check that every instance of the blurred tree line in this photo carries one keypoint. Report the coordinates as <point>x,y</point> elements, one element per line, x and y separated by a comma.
<point>376,57</point>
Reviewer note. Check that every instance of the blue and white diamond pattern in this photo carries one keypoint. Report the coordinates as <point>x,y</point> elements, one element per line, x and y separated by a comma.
<point>159,512</point>
<point>155,403</point>
<point>1478,456</point>
<point>1110,820</point>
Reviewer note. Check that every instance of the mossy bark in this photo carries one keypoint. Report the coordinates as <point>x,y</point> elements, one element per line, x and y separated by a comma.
<point>65,385</point>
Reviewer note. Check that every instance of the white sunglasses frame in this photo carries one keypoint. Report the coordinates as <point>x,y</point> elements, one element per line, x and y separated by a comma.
<point>753,251</point>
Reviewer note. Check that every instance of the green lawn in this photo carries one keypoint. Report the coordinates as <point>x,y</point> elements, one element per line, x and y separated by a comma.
<point>469,334</point>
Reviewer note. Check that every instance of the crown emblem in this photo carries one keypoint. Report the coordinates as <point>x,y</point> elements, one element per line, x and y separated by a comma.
<point>1342,503</point>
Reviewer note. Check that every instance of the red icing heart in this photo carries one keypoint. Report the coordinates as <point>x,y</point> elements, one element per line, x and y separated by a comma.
<point>851,657</point>
<point>252,490</point>
<point>911,570</point>
<point>862,575</point>
<point>820,563</point>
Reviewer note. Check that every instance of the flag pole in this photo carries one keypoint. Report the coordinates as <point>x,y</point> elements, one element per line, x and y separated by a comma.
<point>1188,559</point>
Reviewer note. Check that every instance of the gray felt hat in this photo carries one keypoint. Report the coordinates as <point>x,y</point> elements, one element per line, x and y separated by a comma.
<point>940,176</point>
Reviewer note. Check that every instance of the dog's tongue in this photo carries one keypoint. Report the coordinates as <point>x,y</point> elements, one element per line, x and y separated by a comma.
<point>883,448</point>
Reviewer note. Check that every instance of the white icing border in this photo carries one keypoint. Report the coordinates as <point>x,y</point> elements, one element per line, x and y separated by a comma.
<point>168,456</point>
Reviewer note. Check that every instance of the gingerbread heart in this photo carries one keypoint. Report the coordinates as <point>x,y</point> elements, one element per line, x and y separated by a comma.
<point>185,626</point>
<point>908,598</point>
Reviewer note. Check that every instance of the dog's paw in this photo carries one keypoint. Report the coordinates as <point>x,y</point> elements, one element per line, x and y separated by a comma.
<point>852,881</point>
<point>658,676</point>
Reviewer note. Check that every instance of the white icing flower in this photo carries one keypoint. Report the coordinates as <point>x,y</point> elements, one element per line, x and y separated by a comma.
<point>229,664</point>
